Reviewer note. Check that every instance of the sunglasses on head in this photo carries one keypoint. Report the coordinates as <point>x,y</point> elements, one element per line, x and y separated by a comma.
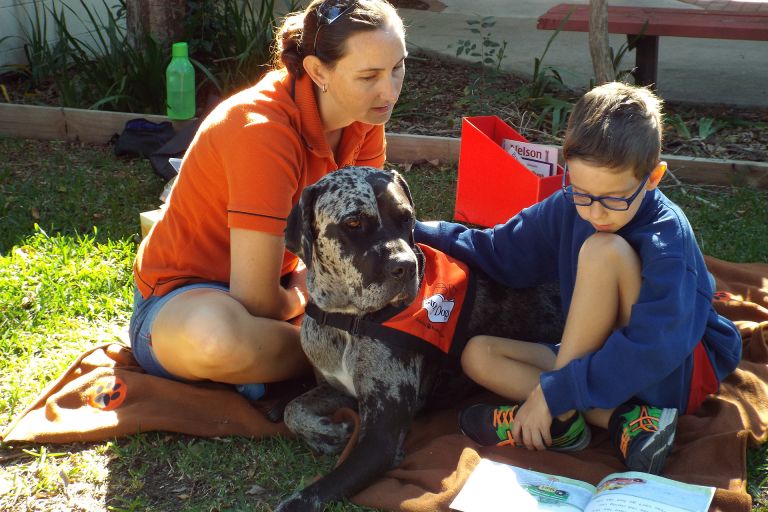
<point>328,12</point>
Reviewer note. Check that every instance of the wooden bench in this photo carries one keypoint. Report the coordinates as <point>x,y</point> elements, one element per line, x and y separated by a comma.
<point>647,24</point>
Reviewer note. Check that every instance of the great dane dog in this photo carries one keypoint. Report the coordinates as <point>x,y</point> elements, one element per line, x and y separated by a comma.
<point>354,230</point>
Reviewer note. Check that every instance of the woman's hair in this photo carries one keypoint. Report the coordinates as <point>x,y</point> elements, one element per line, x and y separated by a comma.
<point>616,125</point>
<point>298,36</point>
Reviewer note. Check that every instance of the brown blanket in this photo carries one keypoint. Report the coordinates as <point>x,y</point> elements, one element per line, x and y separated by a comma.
<point>104,394</point>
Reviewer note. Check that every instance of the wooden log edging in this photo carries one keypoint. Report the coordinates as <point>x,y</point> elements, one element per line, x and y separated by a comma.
<point>98,127</point>
<point>70,124</point>
<point>712,171</point>
<point>403,148</point>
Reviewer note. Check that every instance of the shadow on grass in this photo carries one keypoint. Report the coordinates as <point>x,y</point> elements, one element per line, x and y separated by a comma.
<point>70,188</point>
<point>162,472</point>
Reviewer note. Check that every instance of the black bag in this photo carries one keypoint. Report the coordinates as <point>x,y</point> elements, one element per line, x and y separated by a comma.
<point>174,148</point>
<point>177,146</point>
<point>159,141</point>
<point>142,137</point>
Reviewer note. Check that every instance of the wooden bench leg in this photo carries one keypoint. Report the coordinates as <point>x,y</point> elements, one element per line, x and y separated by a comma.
<point>646,59</point>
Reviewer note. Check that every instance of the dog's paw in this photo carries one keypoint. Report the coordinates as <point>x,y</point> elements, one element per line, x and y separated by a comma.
<point>327,437</point>
<point>297,502</point>
<point>322,433</point>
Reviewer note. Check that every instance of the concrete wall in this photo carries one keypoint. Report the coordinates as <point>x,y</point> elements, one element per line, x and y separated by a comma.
<point>18,16</point>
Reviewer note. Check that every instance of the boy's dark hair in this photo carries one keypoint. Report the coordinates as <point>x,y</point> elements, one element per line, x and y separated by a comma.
<point>298,36</point>
<point>616,125</point>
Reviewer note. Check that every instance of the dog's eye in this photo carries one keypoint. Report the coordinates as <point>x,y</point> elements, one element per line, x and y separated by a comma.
<point>352,223</point>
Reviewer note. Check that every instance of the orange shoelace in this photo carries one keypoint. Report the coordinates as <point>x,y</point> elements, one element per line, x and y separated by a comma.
<point>644,422</point>
<point>505,417</point>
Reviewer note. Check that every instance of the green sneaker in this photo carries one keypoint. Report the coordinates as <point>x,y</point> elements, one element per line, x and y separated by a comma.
<point>643,436</point>
<point>570,435</point>
<point>489,425</point>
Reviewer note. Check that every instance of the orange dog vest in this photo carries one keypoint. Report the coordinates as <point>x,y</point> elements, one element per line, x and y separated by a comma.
<point>433,323</point>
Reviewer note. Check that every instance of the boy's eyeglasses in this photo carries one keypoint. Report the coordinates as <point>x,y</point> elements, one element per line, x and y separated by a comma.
<point>328,12</point>
<point>619,204</point>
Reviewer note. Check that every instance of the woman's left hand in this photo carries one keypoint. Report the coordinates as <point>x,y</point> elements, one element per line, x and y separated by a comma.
<point>533,421</point>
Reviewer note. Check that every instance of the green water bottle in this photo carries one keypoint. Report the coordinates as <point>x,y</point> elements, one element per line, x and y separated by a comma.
<point>180,84</point>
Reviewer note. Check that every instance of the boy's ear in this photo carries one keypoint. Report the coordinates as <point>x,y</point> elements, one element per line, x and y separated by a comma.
<point>656,176</point>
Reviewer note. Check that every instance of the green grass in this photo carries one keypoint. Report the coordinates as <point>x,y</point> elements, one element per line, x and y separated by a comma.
<point>730,222</point>
<point>65,286</point>
<point>57,293</point>
<point>68,232</point>
<point>757,477</point>
<point>67,188</point>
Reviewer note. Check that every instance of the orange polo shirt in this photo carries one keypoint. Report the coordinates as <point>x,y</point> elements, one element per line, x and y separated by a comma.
<point>245,168</point>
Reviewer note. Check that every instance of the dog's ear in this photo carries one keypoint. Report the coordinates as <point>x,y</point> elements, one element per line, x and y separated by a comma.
<point>299,232</point>
<point>404,185</point>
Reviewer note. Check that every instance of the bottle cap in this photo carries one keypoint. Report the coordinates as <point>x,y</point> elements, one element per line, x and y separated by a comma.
<point>180,50</point>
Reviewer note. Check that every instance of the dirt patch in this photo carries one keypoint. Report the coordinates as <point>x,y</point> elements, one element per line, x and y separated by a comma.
<point>438,92</point>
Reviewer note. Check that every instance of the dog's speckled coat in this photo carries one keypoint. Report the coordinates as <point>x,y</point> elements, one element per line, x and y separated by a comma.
<point>354,231</point>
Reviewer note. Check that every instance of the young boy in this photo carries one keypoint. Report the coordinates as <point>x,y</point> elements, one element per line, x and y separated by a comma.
<point>642,341</point>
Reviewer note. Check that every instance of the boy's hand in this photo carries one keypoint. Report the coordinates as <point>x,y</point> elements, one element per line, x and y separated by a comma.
<point>532,422</point>
<point>297,291</point>
<point>298,281</point>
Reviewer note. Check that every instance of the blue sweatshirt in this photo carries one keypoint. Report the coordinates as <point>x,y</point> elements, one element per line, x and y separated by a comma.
<point>651,357</point>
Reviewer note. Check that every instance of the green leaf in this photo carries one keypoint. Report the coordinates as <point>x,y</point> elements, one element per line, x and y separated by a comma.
<point>709,126</point>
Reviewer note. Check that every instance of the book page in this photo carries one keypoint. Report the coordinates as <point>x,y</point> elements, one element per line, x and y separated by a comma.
<point>501,487</point>
<point>642,492</point>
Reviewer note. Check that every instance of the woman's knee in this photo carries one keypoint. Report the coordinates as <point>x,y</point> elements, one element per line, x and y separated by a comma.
<point>213,337</point>
<point>201,338</point>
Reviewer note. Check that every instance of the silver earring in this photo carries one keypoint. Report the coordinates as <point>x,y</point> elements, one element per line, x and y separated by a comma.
<point>325,88</point>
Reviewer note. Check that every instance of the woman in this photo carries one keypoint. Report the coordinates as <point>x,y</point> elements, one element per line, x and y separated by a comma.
<point>215,287</point>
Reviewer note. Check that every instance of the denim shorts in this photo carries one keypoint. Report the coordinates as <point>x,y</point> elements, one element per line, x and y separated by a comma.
<point>140,327</point>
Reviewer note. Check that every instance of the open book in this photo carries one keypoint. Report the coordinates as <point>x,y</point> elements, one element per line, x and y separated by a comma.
<point>499,487</point>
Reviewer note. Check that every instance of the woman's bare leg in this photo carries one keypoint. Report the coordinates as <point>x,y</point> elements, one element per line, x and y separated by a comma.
<point>205,334</point>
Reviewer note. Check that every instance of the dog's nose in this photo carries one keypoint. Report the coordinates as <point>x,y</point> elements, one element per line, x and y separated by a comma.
<point>402,269</point>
